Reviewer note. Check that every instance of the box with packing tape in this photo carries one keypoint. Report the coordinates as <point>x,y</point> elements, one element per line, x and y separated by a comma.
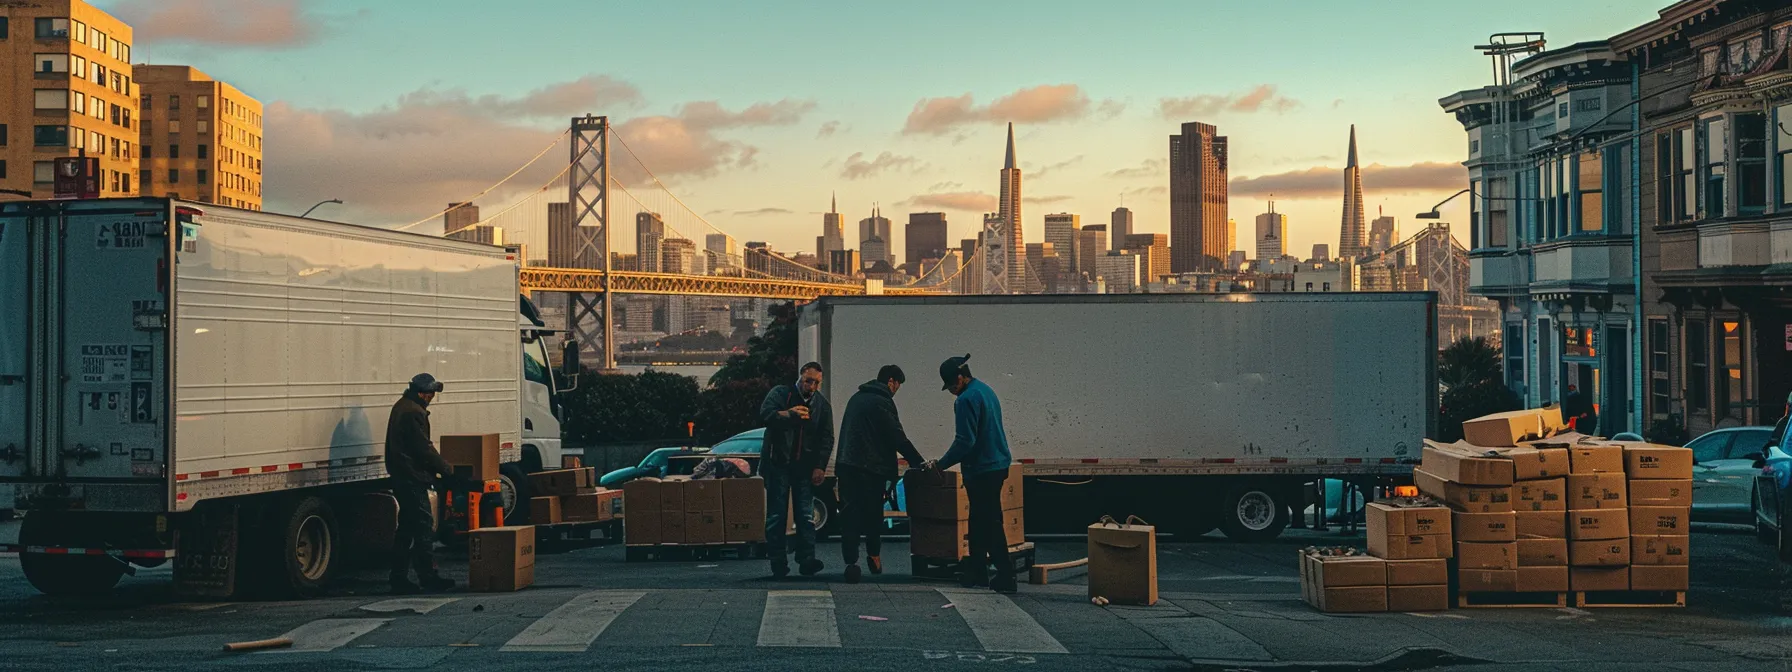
<point>474,456</point>
<point>1491,527</point>
<point>1542,524</point>
<point>1598,524</point>
<point>1644,461</point>
<point>743,510</point>
<point>500,559</point>
<point>1599,578</point>
<point>1471,498</point>
<point>1513,427</point>
<point>1599,553</point>
<point>1549,494</point>
<point>1542,553</point>
<point>1416,528</point>
<point>1486,555</point>
<point>1342,580</point>
<point>1465,464</point>
<point>1660,492</point>
<point>1660,520</point>
<point>1535,461</point>
<point>1543,579</point>
<point>1596,491</point>
<point>641,503</point>
<point>1659,550</point>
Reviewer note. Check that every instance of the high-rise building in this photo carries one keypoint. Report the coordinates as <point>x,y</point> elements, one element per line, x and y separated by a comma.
<point>1234,261</point>
<point>1010,213</point>
<point>1272,235</point>
<point>460,221</point>
<point>874,250</point>
<point>1044,267</point>
<point>875,226</point>
<point>572,246</point>
<point>69,92</point>
<point>1120,227</point>
<point>1060,231</point>
<point>1322,252</point>
<point>201,138</point>
<point>833,232</point>
<point>1120,271</point>
<point>479,233</point>
<point>678,255</point>
<point>1383,234</point>
<point>844,262</point>
<point>1000,266</point>
<point>973,272</point>
<point>650,236</point>
<point>925,238</point>
<point>1091,242</point>
<point>1350,232</point>
<point>458,216</point>
<point>1231,236</point>
<point>1198,194</point>
<point>1154,252</point>
<point>722,251</point>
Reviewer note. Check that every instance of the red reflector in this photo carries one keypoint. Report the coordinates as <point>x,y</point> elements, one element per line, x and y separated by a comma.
<point>1353,460</point>
<point>1090,460</point>
<point>1387,460</point>
<point>269,468</point>
<point>180,497</point>
<point>208,474</point>
<point>239,470</point>
<point>296,465</point>
<point>1221,460</point>
<point>1278,460</point>
<point>1028,461</point>
<point>94,551</point>
<point>182,477</point>
<point>56,551</point>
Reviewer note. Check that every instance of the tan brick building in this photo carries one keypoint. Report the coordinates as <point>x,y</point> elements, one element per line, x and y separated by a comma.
<point>66,89</point>
<point>201,138</point>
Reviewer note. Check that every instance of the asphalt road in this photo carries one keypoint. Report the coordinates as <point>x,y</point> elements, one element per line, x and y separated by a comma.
<point>1225,606</point>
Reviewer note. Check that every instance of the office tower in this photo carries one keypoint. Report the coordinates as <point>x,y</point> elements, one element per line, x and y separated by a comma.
<point>974,270</point>
<point>1272,235</point>
<point>1322,252</point>
<point>1119,271</point>
<point>201,139</point>
<point>1009,204</point>
<point>1383,234</point>
<point>1234,261</point>
<point>875,226</point>
<point>1197,199</point>
<point>875,249</point>
<point>1044,265</point>
<point>1060,231</point>
<point>1154,252</point>
<point>69,92</point>
<point>1091,242</point>
<point>459,216</point>
<point>677,255</point>
<point>650,232</point>
<point>925,238</point>
<point>722,251</point>
<point>1120,227</point>
<point>1350,233</point>
<point>833,232</point>
<point>844,262</point>
<point>1231,236</point>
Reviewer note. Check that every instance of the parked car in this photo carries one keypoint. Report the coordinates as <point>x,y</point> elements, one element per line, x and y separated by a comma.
<point>1772,483</point>
<point>1726,463</point>
<point>653,465</point>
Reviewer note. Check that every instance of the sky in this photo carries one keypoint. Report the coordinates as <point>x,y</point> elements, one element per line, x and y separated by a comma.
<point>753,113</point>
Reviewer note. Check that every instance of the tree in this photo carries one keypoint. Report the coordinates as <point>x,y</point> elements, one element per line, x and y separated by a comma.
<point>770,356</point>
<point>1471,385</point>
<point>649,405</point>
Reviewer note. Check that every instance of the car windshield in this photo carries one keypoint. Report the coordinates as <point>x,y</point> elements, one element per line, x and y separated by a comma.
<point>1709,447</point>
<point>658,457</point>
<point>737,445</point>
<point>1749,442</point>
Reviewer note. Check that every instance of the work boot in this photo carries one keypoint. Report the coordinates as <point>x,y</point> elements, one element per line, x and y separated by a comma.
<point>810,567</point>
<point>436,584</point>
<point>972,578</point>
<point>875,564</point>
<point>852,573</point>
<point>1004,584</point>
<point>401,584</point>
<point>780,570</point>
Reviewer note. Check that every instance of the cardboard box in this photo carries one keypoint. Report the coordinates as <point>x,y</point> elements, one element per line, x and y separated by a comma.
<point>1647,461</point>
<point>586,477</point>
<point>1418,598</point>
<point>1544,495</point>
<point>1398,517</point>
<point>478,453</point>
<point>1471,498</point>
<point>936,503</point>
<point>1596,491</point>
<point>1508,429</point>
<point>1485,526</point>
<point>1352,600</point>
<point>1478,555</point>
<point>571,462</point>
<point>672,494</point>
<point>641,500</point>
<point>703,495</point>
<point>1418,572</point>
<point>1014,525</point>
<point>1013,489</point>
<point>1467,465</point>
<point>1532,463</point>
<point>672,526</point>
<point>1598,578</point>
<point>584,508</point>
<point>609,504</point>
<point>703,527</point>
<point>1349,570</point>
<point>1659,550</point>
<point>500,559</point>
<point>1411,546</point>
<point>558,483</point>
<point>1123,564</point>
<point>1670,520</point>
<point>1599,524</point>
<point>743,510</point>
<point>1599,553</point>
<point>1595,459</point>
<point>1487,580</point>
<point>1543,579</point>
<point>544,510</point>
<point>939,539</point>
<point>1660,493</point>
<point>1542,553</point>
<point>1660,577</point>
<point>1542,524</point>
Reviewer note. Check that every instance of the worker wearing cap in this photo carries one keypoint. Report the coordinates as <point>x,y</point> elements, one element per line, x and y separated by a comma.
<point>413,464</point>
<point>980,445</point>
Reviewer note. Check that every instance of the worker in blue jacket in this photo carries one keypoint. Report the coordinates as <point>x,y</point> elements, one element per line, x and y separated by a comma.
<point>980,445</point>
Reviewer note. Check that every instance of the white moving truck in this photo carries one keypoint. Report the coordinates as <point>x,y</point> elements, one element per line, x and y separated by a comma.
<point>1194,411</point>
<point>206,385</point>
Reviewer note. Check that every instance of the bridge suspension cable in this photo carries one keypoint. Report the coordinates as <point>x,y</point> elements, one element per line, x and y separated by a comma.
<point>544,152</point>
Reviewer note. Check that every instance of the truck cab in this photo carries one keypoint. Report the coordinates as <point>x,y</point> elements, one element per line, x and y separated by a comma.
<point>540,399</point>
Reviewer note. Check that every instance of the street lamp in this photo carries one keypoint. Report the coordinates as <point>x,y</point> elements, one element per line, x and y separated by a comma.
<point>337,201</point>
<point>1434,214</point>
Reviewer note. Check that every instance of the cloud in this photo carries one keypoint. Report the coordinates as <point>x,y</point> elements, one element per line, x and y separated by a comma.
<point>761,212</point>
<point>563,99</point>
<point>1052,168</point>
<point>827,129</point>
<point>942,186</point>
<point>1148,168</point>
<point>1146,191</point>
<point>1328,182</point>
<point>972,201</point>
<point>857,168</point>
<point>1261,99</point>
<point>1043,200</point>
<point>1040,104</point>
<point>267,24</point>
<point>685,144</point>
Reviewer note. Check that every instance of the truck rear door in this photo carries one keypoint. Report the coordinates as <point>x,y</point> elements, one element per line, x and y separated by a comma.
<point>15,346</point>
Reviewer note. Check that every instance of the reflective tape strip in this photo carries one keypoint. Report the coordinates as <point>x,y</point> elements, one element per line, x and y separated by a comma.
<point>272,468</point>
<point>151,554</point>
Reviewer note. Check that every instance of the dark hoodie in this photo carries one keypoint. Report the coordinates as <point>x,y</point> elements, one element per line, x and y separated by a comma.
<point>410,453</point>
<point>871,435</point>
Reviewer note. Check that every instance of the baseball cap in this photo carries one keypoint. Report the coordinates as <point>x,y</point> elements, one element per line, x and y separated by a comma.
<point>950,369</point>
<point>424,382</point>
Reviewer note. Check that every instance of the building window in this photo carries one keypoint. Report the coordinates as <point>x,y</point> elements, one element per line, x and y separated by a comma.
<point>127,117</point>
<point>5,136</point>
<point>1474,146</point>
<point>1617,186</point>
<point>202,101</point>
<point>52,28</point>
<point>204,151</point>
<point>174,151</point>
<point>49,136</point>
<point>5,30</point>
<point>117,115</point>
<point>99,74</point>
<point>1591,181</point>
<point>1751,163</point>
<point>50,64</point>
<point>1714,140</point>
<point>80,102</point>
<point>1783,124</point>
<point>204,176</point>
<point>1729,371</point>
<point>174,176</point>
<point>80,32</point>
<point>1710,62</point>
<point>173,125</point>
<point>173,103</point>
<point>1659,394</point>
<point>1562,110</point>
<point>77,66</point>
<point>43,172</point>
<point>96,108</point>
<point>202,126</point>
<point>1698,366</point>
<point>124,182</point>
<point>143,176</point>
<point>50,99</point>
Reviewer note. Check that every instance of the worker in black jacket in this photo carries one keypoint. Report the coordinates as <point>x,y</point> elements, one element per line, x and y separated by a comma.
<point>870,438</point>
<point>413,464</point>
<point>793,460</point>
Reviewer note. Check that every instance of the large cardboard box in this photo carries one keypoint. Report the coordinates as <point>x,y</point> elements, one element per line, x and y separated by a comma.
<point>1598,524</point>
<point>703,495</point>
<point>1596,491</point>
<point>609,504</point>
<point>1487,580</point>
<point>1660,577</point>
<point>501,559</point>
<point>1471,498</point>
<point>1410,546</point>
<point>1348,570</point>
<point>1014,525</point>
<point>1660,493</point>
<point>477,453</point>
<point>1351,600</point>
<point>1479,555</point>
<point>703,527</point>
<point>1418,572</point>
<point>743,510</point>
<point>1532,463</point>
<point>939,539</point>
<point>585,508</point>
<point>1542,524</point>
<point>1468,465</point>
<point>1595,459</point>
<point>1418,598</point>
<point>544,510</point>
<point>1013,489</point>
<point>1659,550</point>
<point>1542,553</point>
<point>672,526</point>
<point>1511,428</point>
<point>1669,520</point>
<point>1123,563</point>
<point>1485,526</point>
<point>1543,579</point>
<point>1598,578</point>
<point>1543,495</point>
<point>934,503</point>
<point>558,483</point>
<point>1600,553</point>
<point>672,493</point>
<point>641,502</point>
<point>1645,461</point>
<point>1397,517</point>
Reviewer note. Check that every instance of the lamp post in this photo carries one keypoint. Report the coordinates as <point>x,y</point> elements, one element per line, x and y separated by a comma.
<point>337,201</point>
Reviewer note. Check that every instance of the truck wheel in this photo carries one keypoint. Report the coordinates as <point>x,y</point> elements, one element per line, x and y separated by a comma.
<point>64,575</point>
<point>1253,512</point>
<point>304,552</point>
<point>514,492</point>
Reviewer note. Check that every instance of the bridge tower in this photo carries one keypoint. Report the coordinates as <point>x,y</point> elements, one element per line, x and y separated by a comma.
<point>588,196</point>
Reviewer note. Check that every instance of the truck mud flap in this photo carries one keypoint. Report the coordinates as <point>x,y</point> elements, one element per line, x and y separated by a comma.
<point>206,543</point>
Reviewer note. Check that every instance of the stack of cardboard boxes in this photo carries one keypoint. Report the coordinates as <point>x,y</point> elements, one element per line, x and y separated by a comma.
<point>679,511</point>
<point>1660,486</point>
<point>571,495</point>
<point>939,513</point>
<point>1509,499</point>
<point>1410,541</point>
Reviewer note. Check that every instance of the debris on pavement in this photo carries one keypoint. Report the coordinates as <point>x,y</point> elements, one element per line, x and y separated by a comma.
<point>259,644</point>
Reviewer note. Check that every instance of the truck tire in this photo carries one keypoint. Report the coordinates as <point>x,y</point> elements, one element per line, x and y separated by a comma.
<point>298,551</point>
<point>515,492</point>
<point>64,575</point>
<point>1253,512</point>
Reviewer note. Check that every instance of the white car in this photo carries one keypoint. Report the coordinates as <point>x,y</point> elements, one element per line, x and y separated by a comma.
<point>1725,464</point>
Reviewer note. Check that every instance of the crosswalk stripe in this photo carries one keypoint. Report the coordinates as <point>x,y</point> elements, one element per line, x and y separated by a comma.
<point>999,624</point>
<point>328,634</point>
<point>799,618</point>
<point>575,625</point>
<point>419,605</point>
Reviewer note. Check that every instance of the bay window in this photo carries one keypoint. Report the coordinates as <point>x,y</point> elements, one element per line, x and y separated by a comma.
<point>1713,151</point>
<point>1751,163</point>
<point>1590,183</point>
<point>1783,148</point>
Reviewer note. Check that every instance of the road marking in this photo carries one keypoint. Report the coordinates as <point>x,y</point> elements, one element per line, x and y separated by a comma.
<point>799,618</point>
<point>328,634</point>
<point>999,624</point>
<point>573,626</point>
<point>419,605</point>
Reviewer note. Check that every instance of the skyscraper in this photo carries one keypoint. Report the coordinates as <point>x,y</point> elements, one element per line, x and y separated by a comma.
<point>678,255</point>
<point>1322,252</point>
<point>875,250</point>
<point>459,216</point>
<point>1272,235</point>
<point>1154,253</point>
<point>218,157</point>
<point>1350,231</point>
<point>833,232</point>
<point>925,238</point>
<point>1383,234</point>
<point>1198,195</point>
<point>570,246</point>
<point>998,267</point>
<point>973,271</point>
<point>875,226</point>
<point>1010,214</point>
<point>1091,242</point>
<point>650,232</point>
<point>1120,227</point>
<point>1060,231</point>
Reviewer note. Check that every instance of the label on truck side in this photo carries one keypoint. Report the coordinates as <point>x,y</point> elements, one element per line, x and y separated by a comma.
<point>105,363</point>
<point>123,235</point>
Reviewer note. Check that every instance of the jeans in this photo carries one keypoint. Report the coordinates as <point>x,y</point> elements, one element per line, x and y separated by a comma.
<point>783,486</point>
<point>413,546</point>
<point>989,544</point>
<point>862,512</point>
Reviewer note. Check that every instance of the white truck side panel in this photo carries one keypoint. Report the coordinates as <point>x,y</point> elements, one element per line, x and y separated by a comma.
<point>1154,378</point>
<point>294,338</point>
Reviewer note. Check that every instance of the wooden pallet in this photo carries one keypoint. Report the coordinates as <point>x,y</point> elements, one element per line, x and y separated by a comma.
<point>1510,600</point>
<point>574,532</point>
<point>1020,556</point>
<point>1630,598</point>
<point>694,552</point>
